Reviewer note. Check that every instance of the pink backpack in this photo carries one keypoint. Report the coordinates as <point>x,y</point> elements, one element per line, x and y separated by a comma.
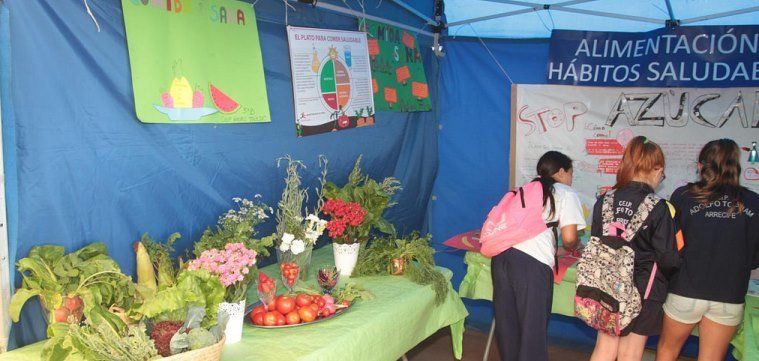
<point>517,218</point>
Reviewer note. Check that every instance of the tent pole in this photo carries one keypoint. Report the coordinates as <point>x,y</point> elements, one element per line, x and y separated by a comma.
<point>605,14</point>
<point>415,12</point>
<point>719,15</point>
<point>358,14</point>
<point>530,8</point>
<point>672,22</point>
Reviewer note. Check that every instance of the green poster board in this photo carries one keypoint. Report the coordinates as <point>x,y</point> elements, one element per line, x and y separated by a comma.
<point>195,61</point>
<point>398,79</point>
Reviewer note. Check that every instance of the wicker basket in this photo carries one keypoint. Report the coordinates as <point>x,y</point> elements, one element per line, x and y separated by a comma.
<point>210,353</point>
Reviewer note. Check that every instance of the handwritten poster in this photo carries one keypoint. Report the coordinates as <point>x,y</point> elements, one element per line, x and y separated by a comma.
<point>195,61</point>
<point>398,79</point>
<point>592,125</point>
<point>332,80</point>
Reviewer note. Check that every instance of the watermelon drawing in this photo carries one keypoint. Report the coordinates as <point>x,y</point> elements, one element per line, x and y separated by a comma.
<point>223,102</point>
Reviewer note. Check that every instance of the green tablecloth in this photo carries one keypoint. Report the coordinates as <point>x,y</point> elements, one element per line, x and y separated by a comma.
<point>478,284</point>
<point>401,315</point>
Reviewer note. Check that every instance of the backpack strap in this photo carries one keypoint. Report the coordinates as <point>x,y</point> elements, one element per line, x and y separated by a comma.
<point>640,216</point>
<point>607,211</point>
<point>554,226</point>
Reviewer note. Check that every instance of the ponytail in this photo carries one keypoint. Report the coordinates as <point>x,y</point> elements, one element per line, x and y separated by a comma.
<point>548,165</point>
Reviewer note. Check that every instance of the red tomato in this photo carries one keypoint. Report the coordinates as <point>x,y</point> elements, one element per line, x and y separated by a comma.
<point>281,320</point>
<point>307,314</point>
<point>320,302</point>
<point>346,303</point>
<point>258,309</point>
<point>293,318</point>
<point>314,307</point>
<point>285,304</point>
<point>272,306</point>
<point>270,318</point>
<point>258,318</point>
<point>303,300</point>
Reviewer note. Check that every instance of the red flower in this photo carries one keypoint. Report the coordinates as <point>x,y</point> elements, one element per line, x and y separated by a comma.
<point>344,215</point>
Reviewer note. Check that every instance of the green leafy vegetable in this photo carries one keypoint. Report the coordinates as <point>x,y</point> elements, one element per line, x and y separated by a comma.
<point>88,273</point>
<point>98,343</point>
<point>193,288</point>
<point>416,253</point>
<point>160,256</point>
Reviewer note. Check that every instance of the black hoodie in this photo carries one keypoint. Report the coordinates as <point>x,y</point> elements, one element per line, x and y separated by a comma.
<point>654,242</point>
<point>721,247</point>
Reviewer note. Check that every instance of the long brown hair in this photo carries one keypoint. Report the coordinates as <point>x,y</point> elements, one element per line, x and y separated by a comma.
<point>720,173</point>
<point>549,164</point>
<point>642,156</point>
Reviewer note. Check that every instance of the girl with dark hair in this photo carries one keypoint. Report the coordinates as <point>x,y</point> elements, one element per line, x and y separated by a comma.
<point>653,243</point>
<point>523,274</point>
<point>720,228</point>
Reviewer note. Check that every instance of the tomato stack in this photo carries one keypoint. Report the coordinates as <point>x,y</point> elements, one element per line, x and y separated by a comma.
<point>289,310</point>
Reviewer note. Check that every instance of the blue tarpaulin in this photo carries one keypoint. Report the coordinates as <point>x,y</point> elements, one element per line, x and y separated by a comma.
<point>87,170</point>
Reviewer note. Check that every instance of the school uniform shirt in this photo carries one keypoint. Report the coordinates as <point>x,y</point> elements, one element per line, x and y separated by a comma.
<point>654,242</point>
<point>721,247</point>
<point>568,212</point>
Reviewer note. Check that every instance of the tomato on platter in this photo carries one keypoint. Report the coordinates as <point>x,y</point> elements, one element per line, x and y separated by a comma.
<point>258,309</point>
<point>270,318</point>
<point>307,314</point>
<point>258,318</point>
<point>293,318</point>
<point>285,304</point>
<point>281,320</point>
<point>303,300</point>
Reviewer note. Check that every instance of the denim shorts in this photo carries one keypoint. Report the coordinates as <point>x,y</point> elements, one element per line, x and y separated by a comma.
<point>691,310</point>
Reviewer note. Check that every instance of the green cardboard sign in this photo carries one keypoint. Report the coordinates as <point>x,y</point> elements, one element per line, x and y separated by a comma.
<point>195,61</point>
<point>398,79</point>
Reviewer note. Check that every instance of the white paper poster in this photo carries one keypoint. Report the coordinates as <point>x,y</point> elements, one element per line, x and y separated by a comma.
<point>592,125</point>
<point>332,80</point>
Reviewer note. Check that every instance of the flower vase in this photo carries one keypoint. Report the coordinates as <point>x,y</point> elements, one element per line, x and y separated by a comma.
<point>346,256</point>
<point>236,313</point>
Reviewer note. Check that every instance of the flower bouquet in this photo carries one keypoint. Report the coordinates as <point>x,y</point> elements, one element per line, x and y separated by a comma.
<point>238,226</point>
<point>345,228</point>
<point>234,267</point>
<point>374,197</point>
<point>297,228</point>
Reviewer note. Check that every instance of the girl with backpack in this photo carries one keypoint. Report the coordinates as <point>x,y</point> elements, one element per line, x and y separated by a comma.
<point>720,226</point>
<point>621,283</point>
<point>523,272</point>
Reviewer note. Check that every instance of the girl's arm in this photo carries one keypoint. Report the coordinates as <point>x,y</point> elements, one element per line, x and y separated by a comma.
<point>569,238</point>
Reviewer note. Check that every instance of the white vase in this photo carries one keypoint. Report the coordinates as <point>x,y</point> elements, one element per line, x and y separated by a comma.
<point>236,313</point>
<point>346,256</point>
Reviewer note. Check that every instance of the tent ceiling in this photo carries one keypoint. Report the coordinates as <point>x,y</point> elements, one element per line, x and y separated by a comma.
<point>531,19</point>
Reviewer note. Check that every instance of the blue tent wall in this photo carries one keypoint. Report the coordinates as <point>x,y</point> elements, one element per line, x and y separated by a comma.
<point>88,170</point>
<point>474,138</point>
<point>473,173</point>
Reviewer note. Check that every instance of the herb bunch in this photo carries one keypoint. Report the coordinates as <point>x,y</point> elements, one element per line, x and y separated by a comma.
<point>415,251</point>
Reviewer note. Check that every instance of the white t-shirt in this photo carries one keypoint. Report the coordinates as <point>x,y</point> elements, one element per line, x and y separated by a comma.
<point>568,212</point>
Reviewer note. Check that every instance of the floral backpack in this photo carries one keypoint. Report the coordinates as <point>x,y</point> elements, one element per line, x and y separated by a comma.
<point>606,297</point>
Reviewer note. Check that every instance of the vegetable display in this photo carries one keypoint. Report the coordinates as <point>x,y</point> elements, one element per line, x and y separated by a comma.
<point>414,251</point>
<point>86,283</point>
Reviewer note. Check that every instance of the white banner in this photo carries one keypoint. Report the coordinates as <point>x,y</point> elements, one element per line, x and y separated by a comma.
<point>332,79</point>
<point>593,124</point>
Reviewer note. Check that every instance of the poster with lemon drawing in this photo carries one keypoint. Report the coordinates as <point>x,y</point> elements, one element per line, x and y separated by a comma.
<point>195,61</point>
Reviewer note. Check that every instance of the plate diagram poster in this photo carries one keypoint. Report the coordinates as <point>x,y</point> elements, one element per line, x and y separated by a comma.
<point>195,61</point>
<point>332,85</point>
<point>592,125</point>
<point>398,79</point>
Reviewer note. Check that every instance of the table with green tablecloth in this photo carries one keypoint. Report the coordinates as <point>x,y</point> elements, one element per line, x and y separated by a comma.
<point>401,315</point>
<point>478,284</point>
